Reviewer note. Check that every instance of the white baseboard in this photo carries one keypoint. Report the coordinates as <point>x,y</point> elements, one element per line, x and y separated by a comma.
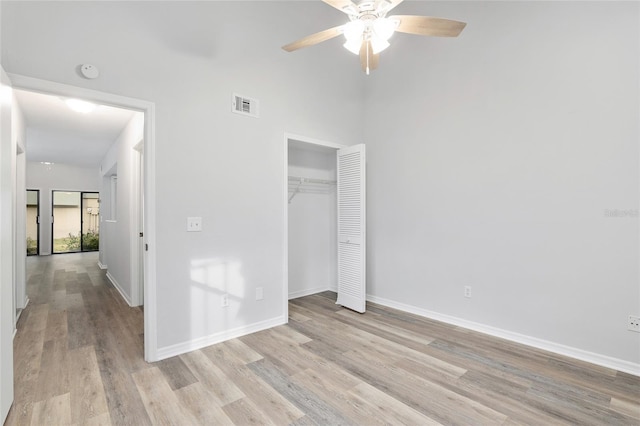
<point>309,291</point>
<point>119,288</point>
<point>192,345</point>
<point>26,303</point>
<point>45,253</point>
<point>101,266</point>
<point>580,354</point>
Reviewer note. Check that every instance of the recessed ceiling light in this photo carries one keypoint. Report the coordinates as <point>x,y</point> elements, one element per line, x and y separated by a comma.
<point>80,106</point>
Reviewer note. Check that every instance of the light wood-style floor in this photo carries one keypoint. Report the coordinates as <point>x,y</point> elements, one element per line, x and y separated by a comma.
<point>79,360</point>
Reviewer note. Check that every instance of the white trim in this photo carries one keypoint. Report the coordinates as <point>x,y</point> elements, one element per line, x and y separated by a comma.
<point>309,291</point>
<point>148,108</point>
<point>312,141</point>
<point>46,253</point>
<point>580,354</point>
<point>285,202</point>
<point>134,221</point>
<point>119,288</point>
<point>193,345</point>
<point>18,315</point>
<point>101,266</point>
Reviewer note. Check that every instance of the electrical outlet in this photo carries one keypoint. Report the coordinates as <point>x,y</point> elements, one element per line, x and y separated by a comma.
<point>194,224</point>
<point>225,300</point>
<point>259,293</point>
<point>467,291</point>
<point>633,324</point>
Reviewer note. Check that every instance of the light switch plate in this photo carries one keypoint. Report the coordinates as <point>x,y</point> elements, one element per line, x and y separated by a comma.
<point>194,224</point>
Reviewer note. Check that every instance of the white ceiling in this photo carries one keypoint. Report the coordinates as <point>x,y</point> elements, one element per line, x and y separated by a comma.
<point>57,134</point>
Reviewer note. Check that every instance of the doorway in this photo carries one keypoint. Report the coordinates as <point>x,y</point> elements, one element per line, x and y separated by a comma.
<point>75,221</point>
<point>147,129</point>
<point>313,262</point>
<point>33,222</point>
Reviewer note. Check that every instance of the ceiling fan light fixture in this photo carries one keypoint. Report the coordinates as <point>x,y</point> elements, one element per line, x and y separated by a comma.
<point>353,45</point>
<point>353,30</point>
<point>368,31</point>
<point>378,44</point>
<point>384,28</point>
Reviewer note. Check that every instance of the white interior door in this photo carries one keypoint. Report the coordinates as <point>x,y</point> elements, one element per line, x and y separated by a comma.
<point>351,228</point>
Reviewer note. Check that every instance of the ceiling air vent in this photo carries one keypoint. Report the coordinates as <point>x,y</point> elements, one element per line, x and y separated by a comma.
<point>245,106</point>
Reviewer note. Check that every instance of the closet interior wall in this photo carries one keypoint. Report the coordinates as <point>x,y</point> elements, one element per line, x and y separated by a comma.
<point>312,220</point>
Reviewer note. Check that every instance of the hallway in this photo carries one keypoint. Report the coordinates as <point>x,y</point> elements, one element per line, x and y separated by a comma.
<point>76,347</point>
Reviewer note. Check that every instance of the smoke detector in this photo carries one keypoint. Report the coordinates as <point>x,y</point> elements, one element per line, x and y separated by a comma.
<point>89,71</point>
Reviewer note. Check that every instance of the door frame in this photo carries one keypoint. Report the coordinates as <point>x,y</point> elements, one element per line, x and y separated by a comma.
<point>148,109</point>
<point>136,214</point>
<point>292,137</point>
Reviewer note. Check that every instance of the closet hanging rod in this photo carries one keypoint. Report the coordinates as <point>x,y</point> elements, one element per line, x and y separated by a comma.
<point>302,180</point>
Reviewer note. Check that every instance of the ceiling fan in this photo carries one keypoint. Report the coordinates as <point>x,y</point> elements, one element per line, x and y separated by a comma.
<point>368,31</point>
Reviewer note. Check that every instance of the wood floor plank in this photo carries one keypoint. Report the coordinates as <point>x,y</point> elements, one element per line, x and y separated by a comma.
<point>56,325</point>
<point>176,372</point>
<point>396,334</point>
<point>123,399</point>
<point>162,405</point>
<point>241,351</point>
<point>52,411</point>
<point>198,401</point>
<point>212,377</point>
<point>415,391</point>
<point>338,397</point>
<point>273,404</point>
<point>87,395</point>
<point>37,318</point>
<point>628,408</point>
<point>289,335</point>
<point>28,347</point>
<point>310,403</point>
<point>277,351</point>
<point>386,409</point>
<point>80,330</point>
<point>100,420</point>
<point>53,377</point>
<point>298,317</point>
<point>246,412</point>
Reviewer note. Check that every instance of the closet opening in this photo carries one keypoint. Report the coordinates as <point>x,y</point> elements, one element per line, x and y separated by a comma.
<point>312,226</point>
<point>325,241</point>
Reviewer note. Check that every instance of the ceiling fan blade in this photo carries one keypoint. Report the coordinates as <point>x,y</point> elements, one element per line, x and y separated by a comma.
<point>346,6</point>
<point>312,39</point>
<point>387,5</point>
<point>428,26</point>
<point>368,60</point>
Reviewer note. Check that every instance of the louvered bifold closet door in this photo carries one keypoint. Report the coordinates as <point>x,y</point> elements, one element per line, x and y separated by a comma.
<point>351,228</point>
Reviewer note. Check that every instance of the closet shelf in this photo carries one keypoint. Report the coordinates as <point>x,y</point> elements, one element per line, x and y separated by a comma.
<point>298,184</point>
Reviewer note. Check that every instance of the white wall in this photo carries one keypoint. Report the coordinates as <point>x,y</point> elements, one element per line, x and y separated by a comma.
<point>7,195</point>
<point>49,177</point>
<point>493,159</point>
<point>188,58</point>
<point>117,231</point>
<point>312,225</point>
